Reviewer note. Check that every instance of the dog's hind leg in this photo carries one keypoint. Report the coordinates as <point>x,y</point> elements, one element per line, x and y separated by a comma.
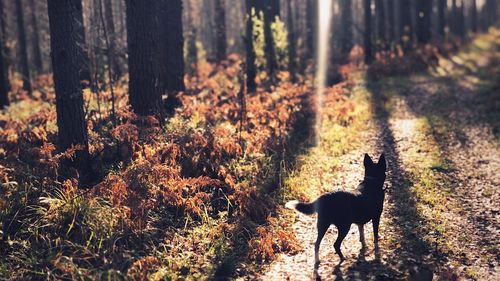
<point>322,228</point>
<point>343,230</point>
<point>376,222</point>
<point>361,228</point>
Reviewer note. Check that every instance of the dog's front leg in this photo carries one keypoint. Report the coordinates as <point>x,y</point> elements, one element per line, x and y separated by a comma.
<point>361,228</point>
<point>376,222</point>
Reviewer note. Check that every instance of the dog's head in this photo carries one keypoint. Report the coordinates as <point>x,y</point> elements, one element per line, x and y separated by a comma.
<point>375,170</point>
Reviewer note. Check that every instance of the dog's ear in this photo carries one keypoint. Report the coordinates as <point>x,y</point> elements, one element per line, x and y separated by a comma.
<point>367,161</point>
<point>381,162</point>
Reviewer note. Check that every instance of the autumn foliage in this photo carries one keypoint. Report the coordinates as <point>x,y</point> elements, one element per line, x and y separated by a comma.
<point>216,161</point>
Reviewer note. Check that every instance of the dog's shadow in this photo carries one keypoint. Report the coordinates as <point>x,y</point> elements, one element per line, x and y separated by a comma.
<point>361,269</point>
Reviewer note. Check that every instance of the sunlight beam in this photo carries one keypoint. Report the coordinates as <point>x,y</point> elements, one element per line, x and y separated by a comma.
<point>324,25</point>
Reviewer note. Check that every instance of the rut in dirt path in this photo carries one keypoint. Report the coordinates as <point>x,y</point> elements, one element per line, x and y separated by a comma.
<point>448,152</point>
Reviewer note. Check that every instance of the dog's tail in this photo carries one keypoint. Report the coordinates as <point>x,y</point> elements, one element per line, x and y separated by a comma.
<point>305,208</point>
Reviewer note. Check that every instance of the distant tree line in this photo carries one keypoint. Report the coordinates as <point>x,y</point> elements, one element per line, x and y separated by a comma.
<point>95,43</point>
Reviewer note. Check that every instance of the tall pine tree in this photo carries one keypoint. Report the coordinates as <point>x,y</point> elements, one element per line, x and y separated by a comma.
<point>143,46</point>
<point>66,57</point>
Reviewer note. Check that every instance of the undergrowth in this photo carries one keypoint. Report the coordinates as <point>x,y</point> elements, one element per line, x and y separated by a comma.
<point>208,181</point>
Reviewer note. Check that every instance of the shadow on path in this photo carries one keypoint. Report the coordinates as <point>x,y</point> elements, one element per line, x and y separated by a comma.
<point>411,250</point>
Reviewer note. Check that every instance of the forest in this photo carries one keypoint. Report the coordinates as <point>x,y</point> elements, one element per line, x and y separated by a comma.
<point>162,139</point>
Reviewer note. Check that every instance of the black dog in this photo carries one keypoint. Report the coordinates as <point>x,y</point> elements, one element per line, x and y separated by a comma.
<point>343,208</point>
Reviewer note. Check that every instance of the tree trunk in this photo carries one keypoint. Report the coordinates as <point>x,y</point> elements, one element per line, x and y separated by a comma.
<point>490,8</point>
<point>380,23</point>
<point>192,51</point>
<point>346,24</point>
<point>250,51</point>
<point>84,64</point>
<point>405,21</point>
<point>37,54</point>
<point>454,17</point>
<point>4,82</point>
<point>311,18</point>
<point>171,53</point>
<point>269,40</point>
<point>441,19</point>
<point>424,13</point>
<point>25,71</point>
<point>391,33</point>
<point>66,57</point>
<point>368,31</point>
<point>428,19</point>
<point>111,32</point>
<point>4,49</point>
<point>220,25</point>
<point>458,19</point>
<point>123,25</point>
<point>292,53</point>
<point>461,20</point>
<point>144,88</point>
<point>171,46</point>
<point>473,16</point>
<point>274,9</point>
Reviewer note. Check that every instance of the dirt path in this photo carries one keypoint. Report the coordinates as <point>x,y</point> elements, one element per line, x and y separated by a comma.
<point>442,210</point>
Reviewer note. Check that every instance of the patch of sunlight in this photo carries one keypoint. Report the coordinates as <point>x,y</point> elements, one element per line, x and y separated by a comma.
<point>439,71</point>
<point>22,110</point>
<point>182,249</point>
<point>407,127</point>
<point>432,188</point>
<point>314,175</point>
<point>483,43</point>
<point>470,58</point>
<point>319,166</point>
<point>457,59</point>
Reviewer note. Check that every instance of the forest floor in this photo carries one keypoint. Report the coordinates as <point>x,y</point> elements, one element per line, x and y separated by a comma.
<point>439,130</point>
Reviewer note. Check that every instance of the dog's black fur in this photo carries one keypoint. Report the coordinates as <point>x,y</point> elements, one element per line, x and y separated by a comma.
<point>343,208</point>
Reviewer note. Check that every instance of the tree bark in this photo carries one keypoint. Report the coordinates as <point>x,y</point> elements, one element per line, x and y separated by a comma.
<point>85,74</point>
<point>25,70</point>
<point>458,19</point>
<point>171,53</point>
<point>171,45</point>
<point>220,25</point>
<point>274,9</point>
<point>250,51</point>
<point>368,31</point>
<point>490,8</point>
<point>4,50</point>
<point>292,53</point>
<point>37,54</point>
<point>473,16</point>
<point>144,88</point>
<point>269,40</point>
<point>461,20</point>
<point>346,23</point>
<point>311,18</point>
<point>66,57</point>
<point>123,25</point>
<point>4,82</point>
<point>441,19</point>
<point>424,13</point>
<point>391,33</point>
<point>111,32</point>
<point>454,18</point>
<point>406,27</point>
<point>380,23</point>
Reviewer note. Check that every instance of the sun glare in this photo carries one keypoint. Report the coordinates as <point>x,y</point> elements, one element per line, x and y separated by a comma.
<point>324,20</point>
